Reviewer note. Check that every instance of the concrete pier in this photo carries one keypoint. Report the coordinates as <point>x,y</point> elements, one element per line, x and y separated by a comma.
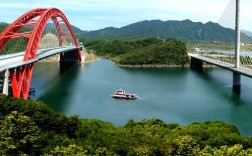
<point>236,82</point>
<point>6,82</point>
<point>237,76</point>
<point>196,64</point>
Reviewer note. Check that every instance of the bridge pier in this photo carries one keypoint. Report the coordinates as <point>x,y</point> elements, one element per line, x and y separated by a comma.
<point>237,76</point>
<point>70,57</point>
<point>196,64</point>
<point>5,75</point>
<point>6,82</point>
<point>236,82</point>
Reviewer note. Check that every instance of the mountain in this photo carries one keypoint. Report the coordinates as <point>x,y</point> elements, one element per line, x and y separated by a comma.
<point>185,30</point>
<point>248,33</point>
<point>76,30</point>
<point>3,23</point>
<point>3,26</point>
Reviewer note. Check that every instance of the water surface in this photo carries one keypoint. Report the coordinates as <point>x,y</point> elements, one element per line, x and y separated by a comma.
<point>175,95</point>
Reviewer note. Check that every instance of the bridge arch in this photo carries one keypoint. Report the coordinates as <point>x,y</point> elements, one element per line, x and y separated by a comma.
<point>20,77</point>
<point>36,35</point>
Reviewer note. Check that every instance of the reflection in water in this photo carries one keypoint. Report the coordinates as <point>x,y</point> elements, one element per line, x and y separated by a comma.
<point>58,84</point>
<point>43,75</point>
<point>178,95</point>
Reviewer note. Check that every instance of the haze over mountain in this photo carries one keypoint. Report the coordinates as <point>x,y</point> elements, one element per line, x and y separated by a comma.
<point>248,33</point>
<point>3,25</point>
<point>185,30</point>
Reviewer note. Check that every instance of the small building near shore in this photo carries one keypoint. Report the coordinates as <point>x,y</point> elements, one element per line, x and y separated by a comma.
<point>196,50</point>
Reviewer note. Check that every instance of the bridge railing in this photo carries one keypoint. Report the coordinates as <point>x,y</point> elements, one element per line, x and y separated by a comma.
<point>16,60</point>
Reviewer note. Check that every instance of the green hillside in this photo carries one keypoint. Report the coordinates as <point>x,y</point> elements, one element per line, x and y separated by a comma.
<point>184,30</point>
<point>149,51</point>
<point>3,26</point>
<point>168,52</point>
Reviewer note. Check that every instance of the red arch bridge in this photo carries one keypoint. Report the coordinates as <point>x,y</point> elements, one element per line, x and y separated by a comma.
<point>38,34</point>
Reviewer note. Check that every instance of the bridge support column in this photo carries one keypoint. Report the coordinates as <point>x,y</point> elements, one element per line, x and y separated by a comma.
<point>68,59</point>
<point>6,82</point>
<point>71,56</point>
<point>236,82</point>
<point>237,76</point>
<point>196,64</point>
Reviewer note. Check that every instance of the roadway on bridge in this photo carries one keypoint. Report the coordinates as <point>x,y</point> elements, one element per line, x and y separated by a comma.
<point>243,71</point>
<point>16,60</point>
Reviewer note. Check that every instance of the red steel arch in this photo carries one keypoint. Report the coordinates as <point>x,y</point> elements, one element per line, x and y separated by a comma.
<point>12,30</point>
<point>21,76</point>
<point>39,28</point>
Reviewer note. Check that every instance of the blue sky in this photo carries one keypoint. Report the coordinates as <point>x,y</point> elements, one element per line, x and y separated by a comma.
<point>98,14</point>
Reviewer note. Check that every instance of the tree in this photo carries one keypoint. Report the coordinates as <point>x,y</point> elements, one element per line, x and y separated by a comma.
<point>236,150</point>
<point>18,135</point>
<point>70,150</point>
<point>184,145</point>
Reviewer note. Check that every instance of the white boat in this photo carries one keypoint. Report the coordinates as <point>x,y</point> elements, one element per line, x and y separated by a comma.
<point>121,94</point>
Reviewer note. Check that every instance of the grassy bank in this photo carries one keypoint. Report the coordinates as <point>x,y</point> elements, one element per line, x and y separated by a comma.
<point>90,56</point>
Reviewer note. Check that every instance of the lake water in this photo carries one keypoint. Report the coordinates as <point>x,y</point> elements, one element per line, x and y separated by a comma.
<point>174,95</point>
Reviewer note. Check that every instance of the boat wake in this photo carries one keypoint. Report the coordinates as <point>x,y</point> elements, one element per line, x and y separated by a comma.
<point>155,99</point>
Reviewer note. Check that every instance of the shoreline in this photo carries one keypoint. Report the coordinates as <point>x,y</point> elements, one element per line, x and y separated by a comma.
<point>89,57</point>
<point>163,66</point>
<point>86,58</point>
<point>154,66</point>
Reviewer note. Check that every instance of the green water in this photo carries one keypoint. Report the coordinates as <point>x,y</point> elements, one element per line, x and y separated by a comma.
<point>175,95</point>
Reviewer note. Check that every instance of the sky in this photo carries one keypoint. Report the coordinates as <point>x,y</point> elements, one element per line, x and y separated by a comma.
<point>97,14</point>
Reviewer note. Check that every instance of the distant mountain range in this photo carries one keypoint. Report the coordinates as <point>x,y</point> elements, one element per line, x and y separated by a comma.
<point>248,33</point>
<point>3,25</point>
<point>185,30</point>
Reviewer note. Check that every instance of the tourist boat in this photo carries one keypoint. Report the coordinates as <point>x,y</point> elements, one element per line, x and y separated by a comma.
<point>120,94</point>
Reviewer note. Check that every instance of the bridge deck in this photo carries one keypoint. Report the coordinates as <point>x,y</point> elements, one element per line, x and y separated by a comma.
<point>243,71</point>
<point>16,60</point>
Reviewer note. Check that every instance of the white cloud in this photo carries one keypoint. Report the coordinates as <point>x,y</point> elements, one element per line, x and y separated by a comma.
<point>96,14</point>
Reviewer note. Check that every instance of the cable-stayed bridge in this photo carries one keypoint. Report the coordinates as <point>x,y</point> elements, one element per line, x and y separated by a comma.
<point>237,58</point>
<point>38,34</point>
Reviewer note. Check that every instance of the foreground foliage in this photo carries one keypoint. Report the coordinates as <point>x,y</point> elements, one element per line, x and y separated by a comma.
<point>31,128</point>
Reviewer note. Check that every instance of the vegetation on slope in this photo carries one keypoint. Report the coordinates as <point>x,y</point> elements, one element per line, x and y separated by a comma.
<point>169,52</point>
<point>15,44</point>
<point>150,51</point>
<point>3,26</point>
<point>185,30</point>
<point>31,128</point>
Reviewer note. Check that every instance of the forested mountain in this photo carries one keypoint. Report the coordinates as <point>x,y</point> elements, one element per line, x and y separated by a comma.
<point>3,26</point>
<point>75,29</point>
<point>144,52</point>
<point>185,30</point>
<point>248,33</point>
